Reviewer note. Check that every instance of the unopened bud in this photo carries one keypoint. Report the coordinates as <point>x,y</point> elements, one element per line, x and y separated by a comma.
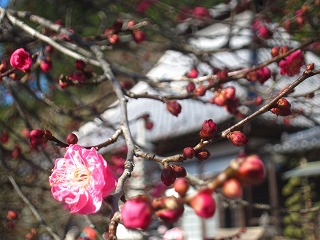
<point>168,175</point>
<point>188,152</point>
<point>39,137</point>
<point>237,138</point>
<point>181,186</point>
<point>190,87</point>
<point>71,138</point>
<point>193,73</point>
<point>232,188</point>
<point>310,67</point>
<point>179,171</point>
<point>275,51</point>
<point>203,154</point>
<point>174,107</point>
<point>203,204</point>
<point>136,213</point>
<point>200,91</point>
<point>11,215</point>
<point>208,129</point>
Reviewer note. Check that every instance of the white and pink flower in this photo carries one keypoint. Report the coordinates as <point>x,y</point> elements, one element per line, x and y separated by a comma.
<point>81,180</point>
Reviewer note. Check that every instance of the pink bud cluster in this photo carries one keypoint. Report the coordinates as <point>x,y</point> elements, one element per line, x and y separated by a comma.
<point>251,172</point>
<point>80,75</point>
<point>261,29</point>
<point>260,75</point>
<point>112,33</point>
<point>171,172</point>
<point>226,97</point>
<point>292,64</point>
<point>282,108</point>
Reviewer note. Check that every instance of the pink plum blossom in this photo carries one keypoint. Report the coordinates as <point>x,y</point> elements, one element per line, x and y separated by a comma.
<point>21,59</point>
<point>291,64</point>
<point>81,179</point>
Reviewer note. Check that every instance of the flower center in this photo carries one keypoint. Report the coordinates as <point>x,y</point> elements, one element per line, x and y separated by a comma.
<point>71,176</point>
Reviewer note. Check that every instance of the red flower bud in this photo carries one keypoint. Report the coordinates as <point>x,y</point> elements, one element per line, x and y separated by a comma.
<point>208,129</point>
<point>4,138</point>
<point>188,152</point>
<point>174,107</point>
<point>283,103</point>
<point>80,65</point>
<point>203,154</point>
<point>232,188</point>
<point>281,111</point>
<point>113,38</point>
<point>223,75</point>
<point>200,91</point>
<point>170,215</point>
<point>193,73</point>
<point>11,215</point>
<point>190,87</point>
<point>179,171</point>
<point>168,176</point>
<point>181,186</point>
<point>148,124</point>
<point>71,138</point>
<point>39,137</point>
<point>136,213</point>
<point>251,171</point>
<point>16,151</point>
<point>282,108</point>
<point>46,65</point>
<point>258,100</point>
<point>237,138</point>
<point>138,35</point>
<point>275,51</point>
<point>203,204</point>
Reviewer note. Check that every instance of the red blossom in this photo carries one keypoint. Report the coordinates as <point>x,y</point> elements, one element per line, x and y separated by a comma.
<point>46,65</point>
<point>291,64</point>
<point>21,59</point>
<point>201,12</point>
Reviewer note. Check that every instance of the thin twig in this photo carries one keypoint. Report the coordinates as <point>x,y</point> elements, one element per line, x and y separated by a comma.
<point>32,208</point>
